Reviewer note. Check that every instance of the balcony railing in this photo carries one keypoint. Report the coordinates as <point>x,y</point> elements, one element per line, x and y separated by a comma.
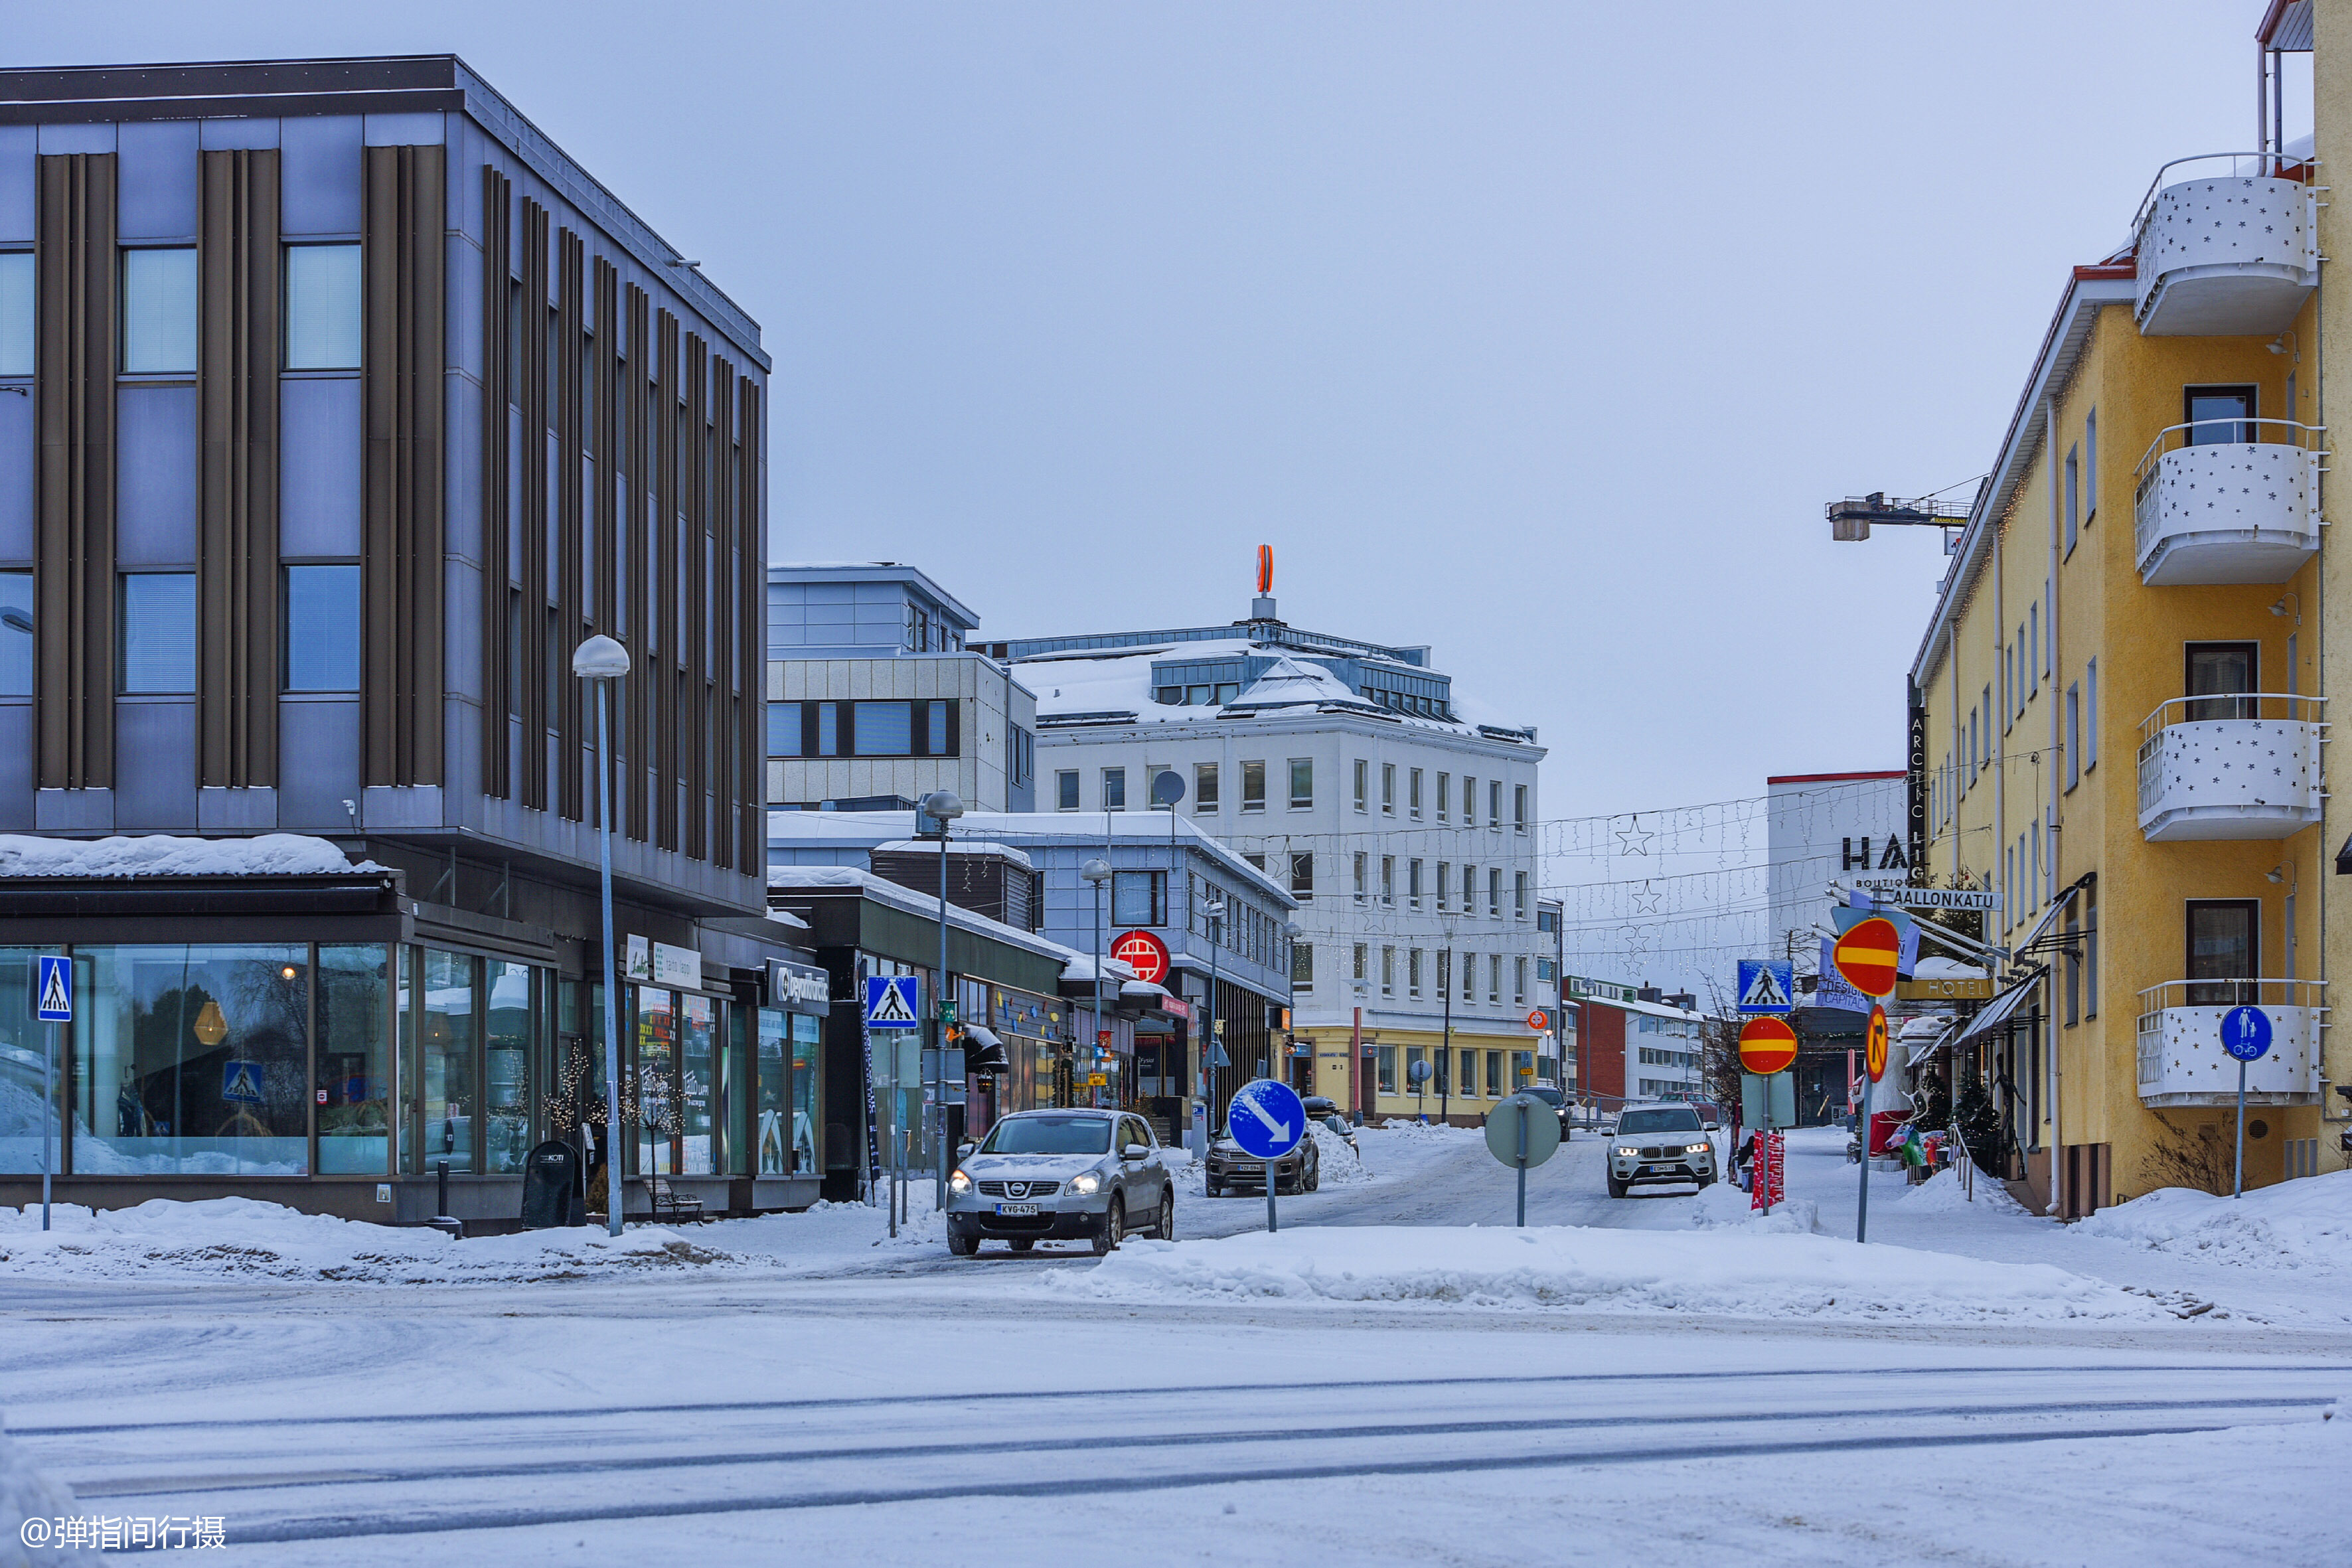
<point>2240,766</point>
<point>2230,247</point>
<point>2228,500</point>
<point>2181,1061</point>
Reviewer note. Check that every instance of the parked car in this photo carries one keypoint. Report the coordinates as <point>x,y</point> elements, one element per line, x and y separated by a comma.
<point>1659,1143</point>
<point>1300,1171</point>
<point>1552,1096</point>
<point>1325,1110</point>
<point>1061,1175</point>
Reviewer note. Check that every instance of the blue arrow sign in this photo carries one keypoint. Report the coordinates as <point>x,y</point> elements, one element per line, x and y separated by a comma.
<point>1767,985</point>
<point>1266,1118</point>
<point>52,988</point>
<point>2246,1033</point>
<point>893,1002</point>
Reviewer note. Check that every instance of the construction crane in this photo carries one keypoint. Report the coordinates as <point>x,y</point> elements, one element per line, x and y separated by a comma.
<point>1850,518</point>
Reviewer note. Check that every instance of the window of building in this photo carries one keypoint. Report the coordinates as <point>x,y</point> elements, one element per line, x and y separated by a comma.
<point>1546,919</point>
<point>1114,789</point>
<point>1469,801</point>
<point>1024,755</point>
<point>1494,804</point>
<point>1065,789</point>
<point>1494,977</point>
<point>1362,871</point>
<point>1414,1057</point>
<point>1139,897</point>
<point>1519,981</point>
<point>159,632</point>
<point>2091,468</point>
<point>1388,972</point>
<point>16,634</point>
<point>2073,734</point>
<point>1412,883</point>
<point>1302,967</point>
<point>1359,971</point>
<point>2224,672</point>
<point>2224,947</point>
<point>1519,894</point>
<point>322,307</point>
<point>784,728</point>
<point>2090,950</point>
<point>1444,875</point>
<point>1204,789</point>
<point>322,629</point>
<point>1443,780</point>
<point>1469,977</point>
<point>17,333</point>
<point>1363,784</point>
<point>1469,890</point>
<point>1256,860</point>
<point>2074,496</point>
<point>2218,415</point>
<point>2091,716</point>
<point>2033,650</point>
<point>1412,971</point>
<point>2071,956</point>
<point>1302,874</point>
<point>1384,1059</point>
<point>1547,971</point>
<point>1413,795</point>
<point>1519,807</point>
<point>1302,783</point>
<point>1495,1090</point>
<point>1388,789</point>
<point>158,311</point>
<point>1494,891</point>
<point>1253,787</point>
<point>1387,880</point>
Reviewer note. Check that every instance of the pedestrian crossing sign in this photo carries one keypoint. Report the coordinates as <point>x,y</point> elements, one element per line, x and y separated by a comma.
<point>892,1002</point>
<point>1767,985</point>
<point>52,988</point>
<point>241,1082</point>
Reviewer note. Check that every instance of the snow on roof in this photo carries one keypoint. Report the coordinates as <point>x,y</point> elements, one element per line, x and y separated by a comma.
<point>832,877</point>
<point>1080,970</point>
<point>1655,1009</point>
<point>1935,967</point>
<point>955,845</point>
<point>1289,680</point>
<point>164,855</point>
<point>875,830</point>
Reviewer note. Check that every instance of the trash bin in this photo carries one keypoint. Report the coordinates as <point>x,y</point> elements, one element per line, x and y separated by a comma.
<point>550,1186</point>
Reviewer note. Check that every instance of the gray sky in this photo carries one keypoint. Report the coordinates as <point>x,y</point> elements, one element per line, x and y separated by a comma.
<point>1538,333</point>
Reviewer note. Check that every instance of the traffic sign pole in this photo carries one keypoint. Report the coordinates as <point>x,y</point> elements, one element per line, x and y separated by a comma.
<point>1523,1167</point>
<point>2237,1185</point>
<point>1874,1067</point>
<point>52,1005</point>
<point>50,1118</point>
<point>2245,1035</point>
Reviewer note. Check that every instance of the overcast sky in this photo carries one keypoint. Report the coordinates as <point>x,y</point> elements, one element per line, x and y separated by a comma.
<point>1537,333</point>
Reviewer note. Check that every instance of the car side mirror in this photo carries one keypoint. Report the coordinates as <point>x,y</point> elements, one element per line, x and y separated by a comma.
<point>1713,1127</point>
<point>964,1151</point>
<point>1135,1152</point>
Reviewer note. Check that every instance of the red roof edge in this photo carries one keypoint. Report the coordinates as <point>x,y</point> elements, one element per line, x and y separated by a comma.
<point>2108,270</point>
<point>1831,778</point>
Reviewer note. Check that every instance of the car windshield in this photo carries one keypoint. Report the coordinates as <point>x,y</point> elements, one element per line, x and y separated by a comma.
<point>1548,1096</point>
<point>1049,1135</point>
<point>1680,1119</point>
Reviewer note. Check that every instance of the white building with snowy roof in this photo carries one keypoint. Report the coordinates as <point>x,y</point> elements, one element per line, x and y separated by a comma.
<point>1400,816</point>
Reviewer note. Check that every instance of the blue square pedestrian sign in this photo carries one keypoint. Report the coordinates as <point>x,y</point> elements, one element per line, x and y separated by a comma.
<point>52,988</point>
<point>1767,985</point>
<point>894,1002</point>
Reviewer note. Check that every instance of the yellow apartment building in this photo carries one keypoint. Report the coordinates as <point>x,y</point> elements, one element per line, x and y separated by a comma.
<point>2123,689</point>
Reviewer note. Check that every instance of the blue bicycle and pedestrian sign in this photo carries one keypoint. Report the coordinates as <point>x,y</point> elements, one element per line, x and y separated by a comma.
<point>2246,1033</point>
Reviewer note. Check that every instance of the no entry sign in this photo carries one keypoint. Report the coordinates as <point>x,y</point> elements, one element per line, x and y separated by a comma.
<point>1766,1046</point>
<point>1143,952</point>
<point>1868,954</point>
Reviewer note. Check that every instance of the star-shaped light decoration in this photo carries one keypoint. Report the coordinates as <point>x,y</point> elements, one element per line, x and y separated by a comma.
<point>1646,898</point>
<point>1635,839</point>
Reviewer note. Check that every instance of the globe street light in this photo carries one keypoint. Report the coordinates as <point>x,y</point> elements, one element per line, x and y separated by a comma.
<point>941,806</point>
<point>1097,872</point>
<point>603,661</point>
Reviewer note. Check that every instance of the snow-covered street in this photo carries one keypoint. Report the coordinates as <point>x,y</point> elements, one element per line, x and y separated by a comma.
<point>1398,1372</point>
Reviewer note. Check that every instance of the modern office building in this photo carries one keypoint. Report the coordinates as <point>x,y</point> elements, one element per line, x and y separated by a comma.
<point>337,406</point>
<point>1355,775</point>
<point>874,701</point>
<point>1829,827</point>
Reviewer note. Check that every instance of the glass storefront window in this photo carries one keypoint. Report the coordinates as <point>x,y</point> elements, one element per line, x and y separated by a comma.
<point>507,1046</point>
<point>656,1050</point>
<point>23,1053</point>
<point>804,1051</point>
<point>193,1060</point>
<point>775,1085</point>
<point>697,1020</point>
<point>451,1104</point>
<point>354,1085</point>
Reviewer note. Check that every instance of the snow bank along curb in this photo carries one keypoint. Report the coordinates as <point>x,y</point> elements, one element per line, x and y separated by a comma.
<point>2302,1225</point>
<point>1719,1271</point>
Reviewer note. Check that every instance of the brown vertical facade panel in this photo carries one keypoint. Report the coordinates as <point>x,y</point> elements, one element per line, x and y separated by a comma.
<point>237,542</point>
<point>73,645</point>
<point>661,659</point>
<point>726,735</point>
<point>530,401</point>
<point>636,393</point>
<point>694,462</point>
<point>571,518</point>
<point>751,528</point>
<point>402,574</point>
<point>610,460</point>
<point>498,393</point>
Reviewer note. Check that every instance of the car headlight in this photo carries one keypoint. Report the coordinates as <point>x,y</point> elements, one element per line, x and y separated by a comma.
<point>959,1183</point>
<point>1085,1182</point>
<point>1627,1151</point>
<point>1696,1148</point>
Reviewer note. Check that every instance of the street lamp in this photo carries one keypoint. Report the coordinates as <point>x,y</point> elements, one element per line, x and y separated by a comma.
<point>603,661</point>
<point>1097,872</point>
<point>1291,931</point>
<point>1445,1051</point>
<point>1212,916</point>
<point>941,806</point>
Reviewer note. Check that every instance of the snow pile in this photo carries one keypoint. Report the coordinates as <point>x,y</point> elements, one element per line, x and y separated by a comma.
<point>1413,1130</point>
<point>162,855</point>
<point>1341,1166</point>
<point>1942,1193</point>
<point>1724,1207</point>
<point>1726,1273</point>
<point>2304,1223</point>
<point>26,1493</point>
<point>246,1239</point>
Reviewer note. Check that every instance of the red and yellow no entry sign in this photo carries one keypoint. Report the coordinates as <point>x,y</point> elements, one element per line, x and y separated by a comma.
<point>1873,1044</point>
<point>1868,954</point>
<point>1766,1046</point>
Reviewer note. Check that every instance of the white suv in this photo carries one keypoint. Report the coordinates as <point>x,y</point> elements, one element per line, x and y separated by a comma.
<point>1659,1143</point>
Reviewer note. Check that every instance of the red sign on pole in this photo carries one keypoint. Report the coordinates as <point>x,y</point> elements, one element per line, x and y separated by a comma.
<point>1868,954</point>
<point>1766,1046</point>
<point>1873,1053</point>
<point>1144,953</point>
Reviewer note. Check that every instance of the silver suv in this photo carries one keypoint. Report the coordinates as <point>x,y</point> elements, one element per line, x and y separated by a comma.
<point>1059,1175</point>
<point>1659,1143</point>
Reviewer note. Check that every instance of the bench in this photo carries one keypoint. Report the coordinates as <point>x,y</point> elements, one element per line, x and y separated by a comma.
<point>669,1204</point>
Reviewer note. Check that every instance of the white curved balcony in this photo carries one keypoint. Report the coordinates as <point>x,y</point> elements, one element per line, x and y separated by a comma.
<point>2243,766</point>
<point>2228,511</point>
<point>2232,252</point>
<point>2181,1061</point>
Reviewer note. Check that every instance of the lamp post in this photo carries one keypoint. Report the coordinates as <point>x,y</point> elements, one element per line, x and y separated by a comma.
<point>1291,931</point>
<point>1445,1051</point>
<point>1212,915</point>
<point>1097,872</point>
<point>603,661</point>
<point>941,806</point>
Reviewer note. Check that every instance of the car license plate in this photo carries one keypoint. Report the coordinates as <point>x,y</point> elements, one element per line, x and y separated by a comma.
<point>1016,1208</point>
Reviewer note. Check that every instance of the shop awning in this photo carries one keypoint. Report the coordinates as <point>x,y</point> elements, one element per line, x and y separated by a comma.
<point>1996,1013</point>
